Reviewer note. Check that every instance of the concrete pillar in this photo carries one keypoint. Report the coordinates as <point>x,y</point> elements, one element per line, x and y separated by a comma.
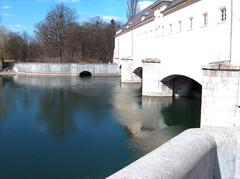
<point>151,81</point>
<point>220,95</point>
<point>127,75</point>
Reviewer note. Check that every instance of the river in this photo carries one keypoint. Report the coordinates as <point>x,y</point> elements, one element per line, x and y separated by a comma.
<point>68,127</point>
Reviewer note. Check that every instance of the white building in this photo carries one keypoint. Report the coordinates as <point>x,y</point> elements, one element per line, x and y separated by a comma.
<point>177,38</point>
<point>193,32</point>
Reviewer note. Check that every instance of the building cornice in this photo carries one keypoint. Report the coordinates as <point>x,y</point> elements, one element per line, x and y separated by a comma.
<point>136,26</point>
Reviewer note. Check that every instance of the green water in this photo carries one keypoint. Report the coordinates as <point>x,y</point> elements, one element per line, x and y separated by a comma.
<point>62,127</point>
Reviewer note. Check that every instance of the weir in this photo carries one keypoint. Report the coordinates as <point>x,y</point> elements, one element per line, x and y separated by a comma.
<point>71,69</point>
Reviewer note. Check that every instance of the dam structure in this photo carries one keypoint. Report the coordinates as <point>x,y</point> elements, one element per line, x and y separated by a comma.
<point>180,47</point>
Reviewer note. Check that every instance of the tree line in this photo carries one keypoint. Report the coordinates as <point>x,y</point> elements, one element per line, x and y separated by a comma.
<point>59,38</point>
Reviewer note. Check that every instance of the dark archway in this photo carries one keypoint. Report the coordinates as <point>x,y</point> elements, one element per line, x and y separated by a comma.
<point>85,74</point>
<point>184,111</point>
<point>138,71</point>
<point>183,86</point>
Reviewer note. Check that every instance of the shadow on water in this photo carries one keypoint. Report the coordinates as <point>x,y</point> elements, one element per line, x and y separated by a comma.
<point>151,121</point>
<point>183,111</point>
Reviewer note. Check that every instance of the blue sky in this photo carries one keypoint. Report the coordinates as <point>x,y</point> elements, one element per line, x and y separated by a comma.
<point>23,15</point>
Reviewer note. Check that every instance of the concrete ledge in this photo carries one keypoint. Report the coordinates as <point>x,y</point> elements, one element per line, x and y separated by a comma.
<point>125,59</point>
<point>66,69</point>
<point>196,154</point>
<point>151,60</point>
<point>221,66</point>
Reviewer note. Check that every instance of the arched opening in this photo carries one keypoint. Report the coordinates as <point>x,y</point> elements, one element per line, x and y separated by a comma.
<point>185,108</point>
<point>85,74</point>
<point>138,71</point>
<point>183,86</point>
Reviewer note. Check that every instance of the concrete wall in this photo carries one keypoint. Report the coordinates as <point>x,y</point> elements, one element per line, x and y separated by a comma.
<point>71,69</point>
<point>220,95</point>
<point>195,154</point>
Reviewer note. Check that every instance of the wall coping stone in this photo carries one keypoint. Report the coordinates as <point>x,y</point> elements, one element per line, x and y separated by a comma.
<point>127,59</point>
<point>221,66</point>
<point>151,60</point>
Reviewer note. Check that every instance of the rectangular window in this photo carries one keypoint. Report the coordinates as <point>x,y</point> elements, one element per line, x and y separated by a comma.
<point>223,14</point>
<point>162,30</point>
<point>170,28</point>
<point>205,19</point>
<point>180,26</point>
<point>191,23</point>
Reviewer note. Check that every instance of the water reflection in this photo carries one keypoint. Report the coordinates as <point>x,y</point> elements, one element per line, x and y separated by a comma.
<point>152,121</point>
<point>6,97</point>
<point>56,110</point>
<point>183,111</point>
<point>97,119</point>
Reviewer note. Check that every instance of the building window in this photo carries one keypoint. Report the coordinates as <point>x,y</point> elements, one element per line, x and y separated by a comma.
<point>170,28</point>
<point>205,19</point>
<point>143,18</point>
<point>162,30</point>
<point>180,26</point>
<point>223,14</point>
<point>191,23</point>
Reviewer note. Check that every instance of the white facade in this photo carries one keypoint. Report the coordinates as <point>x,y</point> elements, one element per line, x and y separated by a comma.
<point>184,38</point>
<point>179,39</point>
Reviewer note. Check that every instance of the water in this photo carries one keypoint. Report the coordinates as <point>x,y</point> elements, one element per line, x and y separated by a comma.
<point>62,127</point>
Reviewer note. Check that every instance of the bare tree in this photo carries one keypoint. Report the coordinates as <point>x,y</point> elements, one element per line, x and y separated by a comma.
<point>53,32</point>
<point>59,37</point>
<point>132,8</point>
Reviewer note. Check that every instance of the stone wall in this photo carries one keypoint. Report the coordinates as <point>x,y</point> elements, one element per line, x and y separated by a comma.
<point>195,154</point>
<point>220,95</point>
<point>67,69</point>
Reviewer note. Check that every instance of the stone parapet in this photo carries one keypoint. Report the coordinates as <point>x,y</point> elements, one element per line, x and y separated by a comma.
<point>194,154</point>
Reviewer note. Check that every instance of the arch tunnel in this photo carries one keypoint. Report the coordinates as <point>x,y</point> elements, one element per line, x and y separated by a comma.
<point>85,74</point>
<point>183,86</point>
<point>187,110</point>
<point>138,72</point>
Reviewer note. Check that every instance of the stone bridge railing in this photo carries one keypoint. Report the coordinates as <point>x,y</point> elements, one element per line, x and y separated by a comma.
<point>194,154</point>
